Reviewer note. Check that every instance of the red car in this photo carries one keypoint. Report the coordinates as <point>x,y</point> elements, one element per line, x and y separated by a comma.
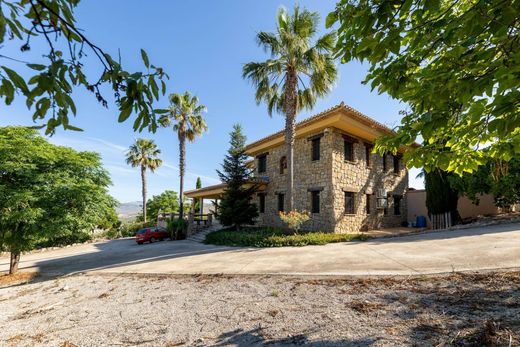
<point>151,234</point>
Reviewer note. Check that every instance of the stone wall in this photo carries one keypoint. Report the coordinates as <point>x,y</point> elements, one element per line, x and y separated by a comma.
<point>308,174</point>
<point>332,175</point>
<point>355,176</point>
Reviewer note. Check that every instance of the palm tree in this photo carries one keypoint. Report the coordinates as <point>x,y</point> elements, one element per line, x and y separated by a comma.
<point>186,117</point>
<point>298,72</point>
<point>144,153</point>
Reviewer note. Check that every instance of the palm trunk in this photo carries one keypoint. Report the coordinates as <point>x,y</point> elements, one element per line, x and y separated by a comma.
<point>290,107</point>
<point>182,164</point>
<point>15,260</point>
<point>143,181</point>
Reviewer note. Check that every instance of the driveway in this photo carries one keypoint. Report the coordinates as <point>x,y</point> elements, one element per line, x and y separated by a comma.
<point>485,248</point>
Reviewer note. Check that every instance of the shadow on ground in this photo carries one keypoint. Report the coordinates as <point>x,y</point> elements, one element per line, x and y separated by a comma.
<point>255,337</point>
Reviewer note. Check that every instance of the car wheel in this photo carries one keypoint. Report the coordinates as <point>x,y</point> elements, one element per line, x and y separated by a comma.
<point>152,239</point>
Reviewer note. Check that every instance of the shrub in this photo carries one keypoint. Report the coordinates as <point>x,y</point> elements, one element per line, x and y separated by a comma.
<point>294,219</point>
<point>276,237</point>
<point>178,227</point>
<point>127,229</point>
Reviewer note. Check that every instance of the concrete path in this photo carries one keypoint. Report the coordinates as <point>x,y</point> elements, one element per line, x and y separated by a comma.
<point>485,248</point>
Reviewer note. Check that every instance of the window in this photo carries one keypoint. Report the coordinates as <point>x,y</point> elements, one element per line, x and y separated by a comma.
<point>396,164</point>
<point>384,163</point>
<point>315,201</point>
<point>348,150</point>
<point>368,153</point>
<point>262,163</point>
<point>280,202</point>
<point>316,149</point>
<point>397,204</point>
<point>349,203</point>
<point>283,165</point>
<point>261,203</point>
<point>368,203</point>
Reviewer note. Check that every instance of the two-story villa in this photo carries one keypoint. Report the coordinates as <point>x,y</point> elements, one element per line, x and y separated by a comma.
<point>337,178</point>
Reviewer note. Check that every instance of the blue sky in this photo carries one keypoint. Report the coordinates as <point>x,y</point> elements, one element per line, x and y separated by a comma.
<point>203,46</point>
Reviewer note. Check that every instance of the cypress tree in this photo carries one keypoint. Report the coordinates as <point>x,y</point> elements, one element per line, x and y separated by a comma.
<point>441,196</point>
<point>235,207</point>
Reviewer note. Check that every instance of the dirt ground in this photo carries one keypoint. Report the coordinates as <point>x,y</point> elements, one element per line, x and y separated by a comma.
<point>153,310</point>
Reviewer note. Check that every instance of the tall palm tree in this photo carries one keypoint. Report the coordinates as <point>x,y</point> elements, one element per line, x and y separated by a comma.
<point>144,153</point>
<point>186,117</point>
<point>298,72</point>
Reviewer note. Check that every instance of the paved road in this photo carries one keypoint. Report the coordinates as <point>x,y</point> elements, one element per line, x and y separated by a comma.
<point>470,249</point>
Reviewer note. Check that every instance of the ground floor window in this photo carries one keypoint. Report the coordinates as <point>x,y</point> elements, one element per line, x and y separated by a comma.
<point>397,204</point>
<point>281,202</point>
<point>261,203</point>
<point>368,203</point>
<point>315,201</point>
<point>349,202</point>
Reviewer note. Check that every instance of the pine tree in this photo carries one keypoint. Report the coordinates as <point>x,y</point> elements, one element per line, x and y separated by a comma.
<point>235,207</point>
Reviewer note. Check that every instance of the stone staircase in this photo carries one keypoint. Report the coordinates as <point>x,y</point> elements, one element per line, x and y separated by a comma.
<point>200,235</point>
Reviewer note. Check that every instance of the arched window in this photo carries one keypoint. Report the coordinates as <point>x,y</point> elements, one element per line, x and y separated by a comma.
<point>283,164</point>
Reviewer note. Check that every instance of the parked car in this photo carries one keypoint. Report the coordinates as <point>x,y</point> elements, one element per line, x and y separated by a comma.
<point>151,234</point>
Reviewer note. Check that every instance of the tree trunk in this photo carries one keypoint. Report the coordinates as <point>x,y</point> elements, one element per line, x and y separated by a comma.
<point>15,260</point>
<point>290,107</point>
<point>182,164</point>
<point>143,181</point>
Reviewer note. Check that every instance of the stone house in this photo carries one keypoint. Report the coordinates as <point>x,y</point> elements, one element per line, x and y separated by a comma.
<point>337,178</point>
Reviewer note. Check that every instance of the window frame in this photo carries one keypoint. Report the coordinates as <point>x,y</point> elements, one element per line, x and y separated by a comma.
<point>262,163</point>
<point>350,156</point>
<point>368,154</point>
<point>316,149</point>
<point>315,201</point>
<point>283,165</point>
<point>397,204</point>
<point>397,164</point>
<point>350,209</point>
<point>281,202</point>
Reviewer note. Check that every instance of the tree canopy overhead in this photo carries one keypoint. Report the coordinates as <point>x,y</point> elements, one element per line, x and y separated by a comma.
<point>455,63</point>
<point>63,67</point>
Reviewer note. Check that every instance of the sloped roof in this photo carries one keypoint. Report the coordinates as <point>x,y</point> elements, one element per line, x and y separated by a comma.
<point>350,112</point>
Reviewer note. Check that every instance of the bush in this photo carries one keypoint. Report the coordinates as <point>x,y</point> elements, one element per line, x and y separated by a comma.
<point>276,237</point>
<point>178,228</point>
<point>294,219</point>
<point>128,229</point>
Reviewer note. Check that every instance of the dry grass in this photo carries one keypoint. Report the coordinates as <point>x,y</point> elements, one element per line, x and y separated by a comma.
<point>17,278</point>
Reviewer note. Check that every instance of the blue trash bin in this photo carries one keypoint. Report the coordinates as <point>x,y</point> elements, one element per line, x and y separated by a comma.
<point>420,222</point>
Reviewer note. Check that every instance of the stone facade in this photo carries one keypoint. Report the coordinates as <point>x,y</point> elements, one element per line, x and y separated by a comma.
<point>331,176</point>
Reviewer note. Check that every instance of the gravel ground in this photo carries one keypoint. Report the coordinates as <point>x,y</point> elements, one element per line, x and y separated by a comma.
<point>151,310</point>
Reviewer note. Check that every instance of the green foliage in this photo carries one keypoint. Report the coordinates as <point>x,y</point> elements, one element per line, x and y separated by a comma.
<point>294,219</point>
<point>276,237</point>
<point>197,206</point>
<point>185,116</point>
<point>129,229</point>
<point>167,201</point>
<point>298,68</point>
<point>63,68</point>
<point>299,71</point>
<point>48,192</point>
<point>456,64</point>
<point>441,196</point>
<point>499,178</point>
<point>235,206</point>
<point>178,227</point>
<point>145,154</point>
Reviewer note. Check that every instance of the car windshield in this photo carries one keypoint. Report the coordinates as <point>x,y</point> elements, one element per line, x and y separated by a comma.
<point>142,231</point>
